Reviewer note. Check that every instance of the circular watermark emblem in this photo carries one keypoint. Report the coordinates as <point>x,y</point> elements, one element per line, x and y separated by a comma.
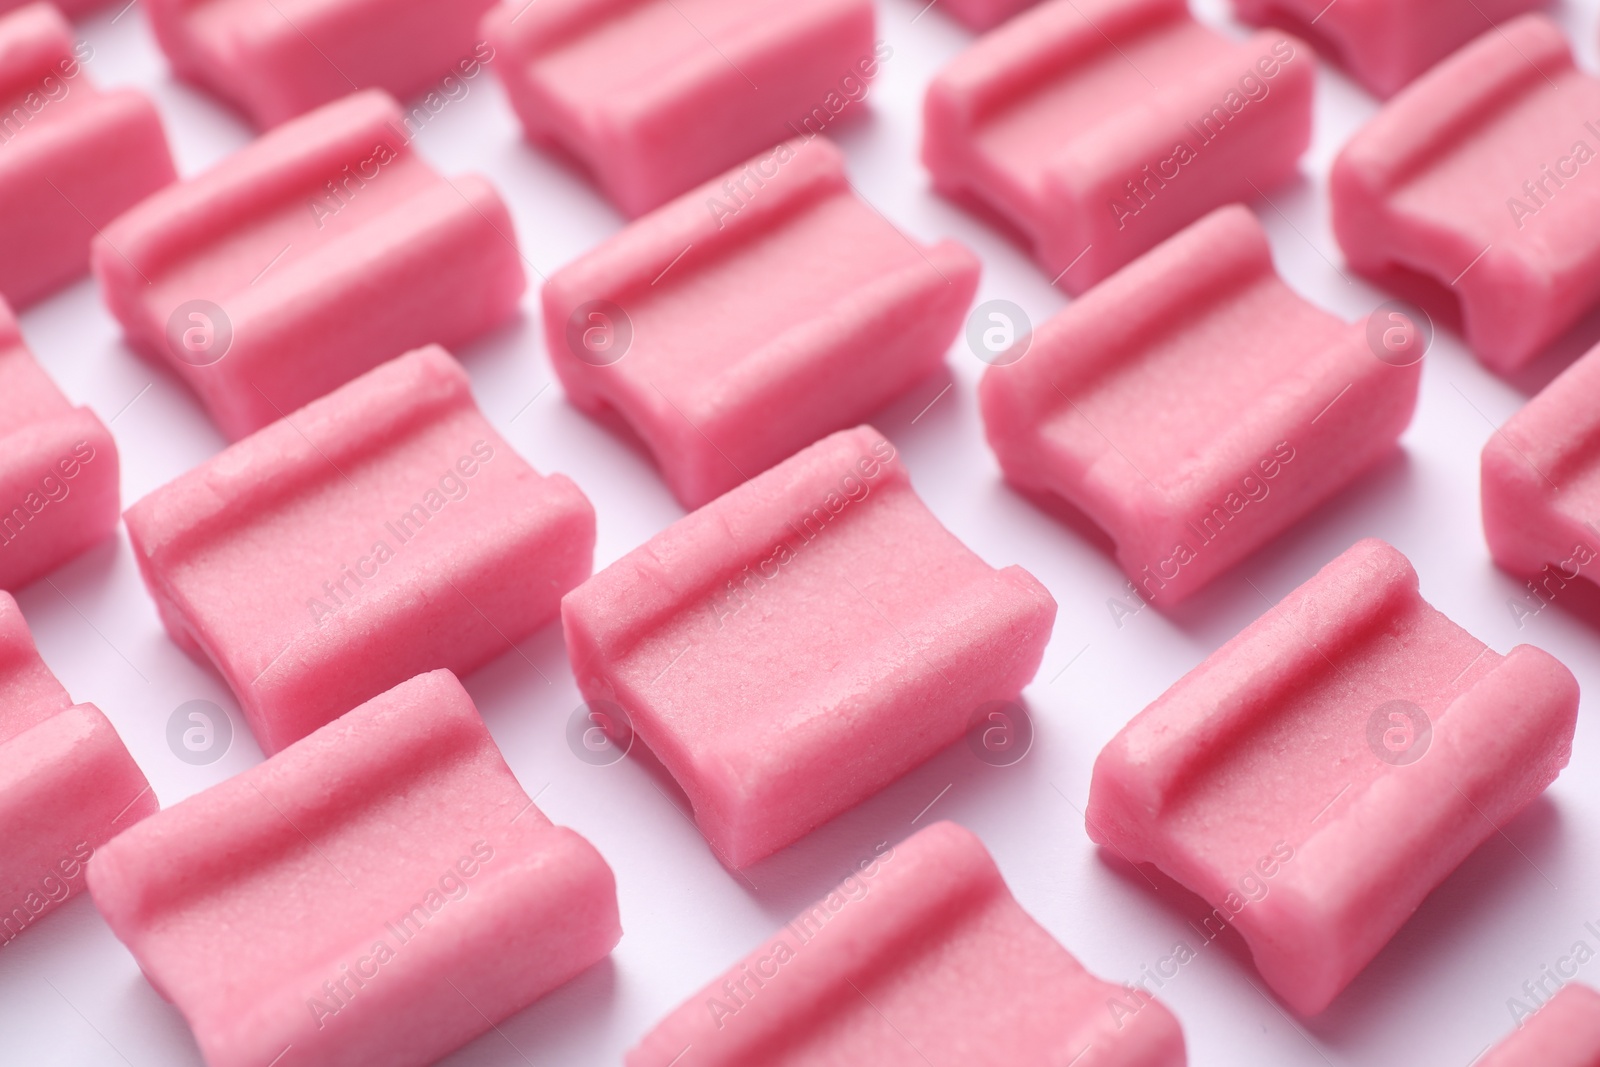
<point>1000,733</point>
<point>1399,333</point>
<point>599,732</point>
<point>1399,732</point>
<point>599,333</point>
<point>199,732</point>
<point>999,332</point>
<point>199,332</point>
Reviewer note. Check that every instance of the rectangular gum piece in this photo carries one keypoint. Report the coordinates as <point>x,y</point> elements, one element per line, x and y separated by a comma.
<point>73,158</point>
<point>1099,128</point>
<point>67,783</point>
<point>59,472</point>
<point>652,97</point>
<point>1324,771</point>
<point>1281,405</point>
<point>920,955</point>
<point>306,258</point>
<point>1565,1032</point>
<point>1384,44</point>
<point>274,60</point>
<point>906,634</point>
<point>383,530</point>
<point>1471,178</point>
<point>382,892</point>
<point>762,312</point>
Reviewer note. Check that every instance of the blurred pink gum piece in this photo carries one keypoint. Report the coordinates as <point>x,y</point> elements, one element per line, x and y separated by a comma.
<point>1476,180</point>
<point>1324,771</point>
<point>1565,1032</point>
<point>72,157</point>
<point>753,316</point>
<point>382,891</point>
<point>1384,44</point>
<point>276,59</point>
<point>58,468</point>
<point>1193,406</point>
<point>67,783</point>
<point>652,97</point>
<point>381,531</point>
<point>983,14</point>
<point>905,632</point>
<point>1099,128</point>
<point>306,258</point>
<point>921,955</point>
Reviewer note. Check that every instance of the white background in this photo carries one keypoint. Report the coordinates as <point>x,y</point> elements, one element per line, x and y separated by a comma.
<point>70,993</point>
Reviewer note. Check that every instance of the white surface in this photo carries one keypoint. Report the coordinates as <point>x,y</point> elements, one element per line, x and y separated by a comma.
<point>70,993</point>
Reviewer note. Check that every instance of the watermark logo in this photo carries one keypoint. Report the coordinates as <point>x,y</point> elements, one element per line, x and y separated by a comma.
<point>199,732</point>
<point>199,333</point>
<point>599,333</point>
<point>1399,732</point>
<point>1399,333</point>
<point>600,732</point>
<point>1000,733</point>
<point>999,332</point>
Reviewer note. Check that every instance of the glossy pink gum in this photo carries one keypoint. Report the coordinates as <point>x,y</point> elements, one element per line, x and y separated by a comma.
<point>1051,122</point>
<point>906,633</point>
<point>67,784</point>
<point>1291,409</point>
<point>927,934</point>
<point>1467,179</point>
<point>287,562</point>
<point>1384,44</point>
<point>328,245</point>
<point>1278,767</point>
<point>383,891</point>
<point>1563,1033</point>
<point>983,14</point>
<point>758,327</point>
<point>652,97</point>
<point>274,60</point>
<point>73,158</point>
<point>59,489</point>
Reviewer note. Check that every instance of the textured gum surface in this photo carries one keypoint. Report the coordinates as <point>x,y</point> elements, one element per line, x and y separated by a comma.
<point>380,892</point>
<point>921,955</point>
<point>905,633</point>
<point>767,309</point>
<point>1563,1033</point>
<point>1260,768</point>
<point>383,530</point>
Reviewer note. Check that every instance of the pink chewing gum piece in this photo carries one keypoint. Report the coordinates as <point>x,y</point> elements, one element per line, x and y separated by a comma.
<point>383,530</point>
<point>1563,1033</point>
<point>305,259</point>
<point>906,633</point>
<point>1099,128</point>
<point>983,14</point>
<point>275,59</point>
<point>67,784</point>
<point>59,491</point>
<point>1321,773</point>
<point>755,322</point>
<point>1541,486</point>
<point>1283,405</point>
<point>921,955</point>
<point>72,157</point>
<point>1473,178</point>
<point>653,97</point>
<point>1384,44</point>
<point>381,892</point>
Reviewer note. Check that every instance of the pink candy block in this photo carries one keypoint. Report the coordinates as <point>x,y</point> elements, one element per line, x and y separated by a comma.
<point>1477,177</point>
<point>1194,407</point>
<point>72,158</point>
<point>1563,1033</point>
<point>753,316</point>
<point>1099,128</point>
<point>920,956</point>
<point>381,892</point>
<point>67,784</point>
<point>383,530</point>
<point>1320,774</point>
<point>984,14</point>
<point>653,97</point>
<point>307,258</point>
<point>275,59</point>
<point>905,634</point>
<point>58,468</point>
<point>1385,43</point>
